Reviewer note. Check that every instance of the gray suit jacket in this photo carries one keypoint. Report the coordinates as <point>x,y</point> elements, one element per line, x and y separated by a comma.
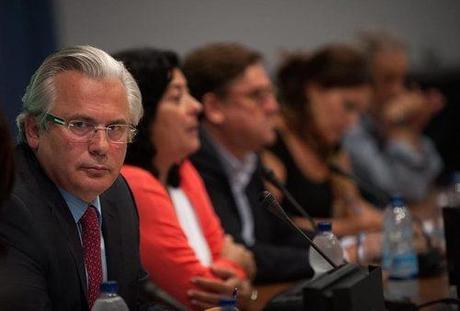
<point>42,268</point>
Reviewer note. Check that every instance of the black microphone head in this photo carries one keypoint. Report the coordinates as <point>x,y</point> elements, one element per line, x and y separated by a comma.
<point>264,196</point>
<point>269,202</point>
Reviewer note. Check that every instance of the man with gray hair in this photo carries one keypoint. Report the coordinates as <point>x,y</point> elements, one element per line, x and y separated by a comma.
<point>388,150</point>
<point>71,222</point>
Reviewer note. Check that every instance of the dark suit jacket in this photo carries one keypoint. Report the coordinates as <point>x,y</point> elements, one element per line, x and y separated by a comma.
<point>43,268</point>
<point>279,253</point>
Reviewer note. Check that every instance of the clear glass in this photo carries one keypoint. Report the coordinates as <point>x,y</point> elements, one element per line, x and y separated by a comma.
<point>83,131</point>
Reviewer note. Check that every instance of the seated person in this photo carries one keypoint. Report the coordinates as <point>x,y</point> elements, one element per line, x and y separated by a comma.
<point>6,160</point>
<point>6,167</point>
<point>322,95</point>
<point>183,245</point>
<point>71,222</point>
<point>388,150</point>
<point>238,121</point>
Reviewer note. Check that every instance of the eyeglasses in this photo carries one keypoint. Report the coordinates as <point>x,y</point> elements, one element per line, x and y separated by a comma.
<point>259,95</point>
<point>83,131</point>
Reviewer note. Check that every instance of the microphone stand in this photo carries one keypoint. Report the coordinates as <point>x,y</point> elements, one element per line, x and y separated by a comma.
<point>269,202</point>
<point>269,176</point>
<point>347,287</point>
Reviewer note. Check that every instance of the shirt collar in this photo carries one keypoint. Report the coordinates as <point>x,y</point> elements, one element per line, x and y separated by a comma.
<point>238,171</point>
<point>78,207</point>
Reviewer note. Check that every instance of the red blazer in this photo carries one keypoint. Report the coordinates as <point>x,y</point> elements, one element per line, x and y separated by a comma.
<point>165,252</point>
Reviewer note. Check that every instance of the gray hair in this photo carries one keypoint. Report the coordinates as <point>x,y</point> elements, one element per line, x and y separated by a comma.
<point>373,42</point>
<point>95,63</point>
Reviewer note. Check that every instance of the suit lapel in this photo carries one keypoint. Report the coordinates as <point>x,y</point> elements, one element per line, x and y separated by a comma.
<point>112,231</point>
<point>68,227</point>
<point>58,209</point>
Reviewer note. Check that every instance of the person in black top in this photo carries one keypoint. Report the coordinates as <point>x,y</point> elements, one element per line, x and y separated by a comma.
<point>322,95</point>
<point>239,108</point>
<point>315,196</point>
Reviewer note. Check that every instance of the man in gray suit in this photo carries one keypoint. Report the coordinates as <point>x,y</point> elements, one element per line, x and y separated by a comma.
<point>71,222</point>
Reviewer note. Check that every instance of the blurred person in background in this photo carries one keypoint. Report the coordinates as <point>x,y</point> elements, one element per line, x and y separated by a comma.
<point>387,148</point>
<point>6,160</point>
<point>6,167</point>
<point>239,109</point>
<point>322,94</point>
<point>183,246</point>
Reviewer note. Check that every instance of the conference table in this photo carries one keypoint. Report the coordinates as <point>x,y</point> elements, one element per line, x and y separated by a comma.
<point>422,290</point>
<point>426,289</point>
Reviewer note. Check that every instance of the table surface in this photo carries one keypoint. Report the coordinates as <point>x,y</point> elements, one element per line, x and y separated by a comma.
<point>426,289</point>
<point>423,290</point>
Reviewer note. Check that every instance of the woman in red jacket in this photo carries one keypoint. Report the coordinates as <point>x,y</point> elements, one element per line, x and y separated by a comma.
<point>183,245</point>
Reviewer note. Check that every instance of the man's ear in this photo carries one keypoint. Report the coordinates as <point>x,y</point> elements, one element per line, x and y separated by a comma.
<point>32,132</point>
<point>313,91</point>
<point>213,108</point>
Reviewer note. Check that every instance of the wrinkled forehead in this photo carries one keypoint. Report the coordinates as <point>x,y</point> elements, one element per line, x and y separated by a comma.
<point>79,93</point>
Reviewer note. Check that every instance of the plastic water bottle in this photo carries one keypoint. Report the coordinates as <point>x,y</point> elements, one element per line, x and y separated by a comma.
<point>228,304</point>
<point>399,256</point>
<point>109,299</point>
<point>330,245</point>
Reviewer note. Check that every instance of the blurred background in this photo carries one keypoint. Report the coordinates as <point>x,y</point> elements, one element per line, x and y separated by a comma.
<point>30,30</point>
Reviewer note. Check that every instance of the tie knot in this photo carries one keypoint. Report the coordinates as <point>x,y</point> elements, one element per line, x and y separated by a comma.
<point>89,218</point>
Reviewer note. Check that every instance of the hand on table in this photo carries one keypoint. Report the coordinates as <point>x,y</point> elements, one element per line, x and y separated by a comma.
<point>212,291</point>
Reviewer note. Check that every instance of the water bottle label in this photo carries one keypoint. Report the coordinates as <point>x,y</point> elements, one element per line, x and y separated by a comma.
<point>404,266</point>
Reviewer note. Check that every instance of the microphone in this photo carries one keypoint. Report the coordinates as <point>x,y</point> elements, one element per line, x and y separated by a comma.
<point>269,176</point>
<point>269,202</point>
<point>347,287</point>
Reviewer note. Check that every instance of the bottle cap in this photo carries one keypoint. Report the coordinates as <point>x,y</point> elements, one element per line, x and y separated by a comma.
<point>227,302</point>
<point>396,200</point>
<point>109,287</point>
<point>324,226</point>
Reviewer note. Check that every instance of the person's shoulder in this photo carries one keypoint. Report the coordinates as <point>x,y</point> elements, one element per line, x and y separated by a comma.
<point>206,156</point>
<point>32,188</point>
<point>357,135</point>
<point>190,178</point>
<point>135,175</point>
<point>188,170</point>
<point>141,182</point>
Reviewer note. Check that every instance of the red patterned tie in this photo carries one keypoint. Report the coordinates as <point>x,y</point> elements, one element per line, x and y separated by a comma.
<point>91,238</point>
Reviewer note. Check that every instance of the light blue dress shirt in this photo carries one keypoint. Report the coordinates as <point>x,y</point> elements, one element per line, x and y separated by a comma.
<point>392,166</point>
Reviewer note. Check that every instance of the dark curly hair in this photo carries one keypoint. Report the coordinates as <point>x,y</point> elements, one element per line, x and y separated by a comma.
<point>152,70</point>
<point>329,67</point>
